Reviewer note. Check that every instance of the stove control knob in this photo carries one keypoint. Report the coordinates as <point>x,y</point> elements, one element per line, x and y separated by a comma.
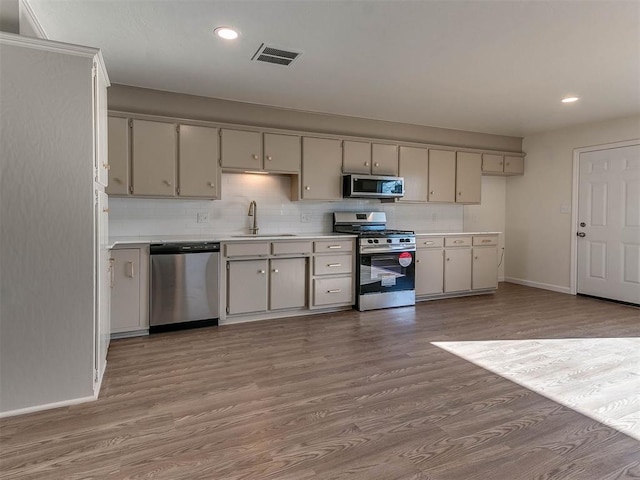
<point>402,240</point>
<point>370,241</point>
<point>375,241</point>
<point>389,240</point>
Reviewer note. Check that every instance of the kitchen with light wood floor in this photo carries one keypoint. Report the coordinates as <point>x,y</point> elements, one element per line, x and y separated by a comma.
<point>350,395</point>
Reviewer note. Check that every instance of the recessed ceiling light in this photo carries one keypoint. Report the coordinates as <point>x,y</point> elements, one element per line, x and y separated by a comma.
<point>570,99</point>
<point>227,33</point>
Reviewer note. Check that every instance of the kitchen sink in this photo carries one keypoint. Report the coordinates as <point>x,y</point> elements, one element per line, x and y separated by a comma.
<point>258,235</point>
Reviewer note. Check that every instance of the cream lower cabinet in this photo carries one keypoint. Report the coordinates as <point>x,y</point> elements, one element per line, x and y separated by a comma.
<point>247,283</point>
<point>287,283</point>
<point>457,263</point>
<point>429,266</point>
<point>130,292</point>
<point>485,262</point>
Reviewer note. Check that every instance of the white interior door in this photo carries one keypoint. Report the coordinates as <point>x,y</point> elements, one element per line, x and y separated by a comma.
<point>609,223</point>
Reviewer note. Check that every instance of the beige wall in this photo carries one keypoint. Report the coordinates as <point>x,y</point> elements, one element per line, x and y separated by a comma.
<point>538,235</point>
<point>155,102</point>
<point>490,215</point>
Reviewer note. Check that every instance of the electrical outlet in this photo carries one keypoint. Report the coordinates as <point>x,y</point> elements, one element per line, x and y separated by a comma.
<point>203,217</point>
<point>305,217</point>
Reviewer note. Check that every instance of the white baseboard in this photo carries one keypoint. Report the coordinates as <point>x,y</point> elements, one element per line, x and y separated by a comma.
<point>47,406</point>
<point>544,286</point>
<point>500,279</point>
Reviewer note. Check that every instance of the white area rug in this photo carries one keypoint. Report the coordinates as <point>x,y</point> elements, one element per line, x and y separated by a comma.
<point>598,377</point>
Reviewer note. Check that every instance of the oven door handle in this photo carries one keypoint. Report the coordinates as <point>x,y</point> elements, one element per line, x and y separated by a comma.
<point>374,250</point>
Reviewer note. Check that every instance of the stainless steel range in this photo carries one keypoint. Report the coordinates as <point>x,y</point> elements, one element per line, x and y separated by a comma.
<point>385,275</point>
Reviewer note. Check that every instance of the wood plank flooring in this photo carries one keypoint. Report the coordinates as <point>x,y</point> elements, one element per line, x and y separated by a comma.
<point>338,396</point>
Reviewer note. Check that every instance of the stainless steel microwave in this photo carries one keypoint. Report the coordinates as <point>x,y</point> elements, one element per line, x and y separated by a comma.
<point>372,186</point>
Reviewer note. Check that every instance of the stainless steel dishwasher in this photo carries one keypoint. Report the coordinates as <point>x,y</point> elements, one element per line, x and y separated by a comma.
<point>184,285</point>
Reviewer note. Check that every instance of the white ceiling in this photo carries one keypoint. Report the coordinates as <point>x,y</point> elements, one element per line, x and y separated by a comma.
<point>488,66</point>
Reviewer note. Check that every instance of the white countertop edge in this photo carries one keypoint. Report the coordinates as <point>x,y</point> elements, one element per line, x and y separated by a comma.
<point>449,234</point>
<point>227,237</point>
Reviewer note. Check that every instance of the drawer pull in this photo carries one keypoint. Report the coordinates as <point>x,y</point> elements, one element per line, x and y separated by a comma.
<point>334,264</point>
<point>333,247</point>
<point>337,290</point>
<point>486,241</point>
<point>131,273</point>
<point>458,241</point>
<point>428,243</point>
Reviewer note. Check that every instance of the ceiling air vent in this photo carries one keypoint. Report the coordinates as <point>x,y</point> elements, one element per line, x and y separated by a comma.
<point>275,55</point>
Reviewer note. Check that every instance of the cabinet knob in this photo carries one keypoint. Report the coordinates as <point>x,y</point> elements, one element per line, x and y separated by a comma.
<point>167,182</point>
<point>255,157</point>
<point>448,259</point>
<point>376,164</point>
<point>117,180</point>
<point>275,270</point>
<point>431,192</point>
<point>507,164</point>
<point>307,188</point>
<point>366,164</point>
<point>105,210</point>
<point>268,157</point>
<point>476,258</point>
<point>459,193</point>
<point>106,166</point>
<point>500,163</point>
<point>417,261</point>
<point>211,184</point>
<point>261,272</point>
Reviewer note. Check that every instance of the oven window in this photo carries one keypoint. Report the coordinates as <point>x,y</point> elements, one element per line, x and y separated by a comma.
<point>387,272</point>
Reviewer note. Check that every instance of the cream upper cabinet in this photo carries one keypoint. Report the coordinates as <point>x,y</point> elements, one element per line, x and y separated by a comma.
<point>241,149</point>
<point>154,158</point>
<point>502,164</point>
<point>384,159</point>
<point>356,157</point>
<point>468,177</point>
<point>288,283</point>
<point>199,172</point>
<point>282,153</point>
<point>442,176</point>
<point>513,165</point>
<point>321,169</point>
<point>119,149</point>
<point>413,166</point>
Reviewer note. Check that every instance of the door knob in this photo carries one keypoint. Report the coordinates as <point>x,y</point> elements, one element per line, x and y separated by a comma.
<point>582,224</point>
<point>582,234</point>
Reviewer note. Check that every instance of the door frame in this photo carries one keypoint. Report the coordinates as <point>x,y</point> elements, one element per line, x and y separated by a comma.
<point>574,202</point>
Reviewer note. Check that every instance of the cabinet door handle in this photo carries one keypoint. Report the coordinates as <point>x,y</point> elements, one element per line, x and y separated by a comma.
<point>448,259</point>
<point>459,193</point>
<point>307,188</point>
<point>211,184</point>
<point>428,243</point>
<point>255,157</point>
<point>417,261</point>
<point>112,270</point>
<point>475,258</point>
<point>485,241</point>
<point>105,210</point>
<point>275,270</point>
<point>376,164</point>
<point>431,192</point>
<point>333,247</point>
<point>268,157</point>
<point>167,182</point>
<point>337,290</point>
<point>334,265</point>
<point>117,180</point>
<point>366,164</point>
<point>131,273</point>
<point>261,272</point>
<point>458,241</point>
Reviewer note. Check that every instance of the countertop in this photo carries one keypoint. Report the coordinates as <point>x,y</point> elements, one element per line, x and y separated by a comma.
<point>218,237</point>
<point>448,234</point>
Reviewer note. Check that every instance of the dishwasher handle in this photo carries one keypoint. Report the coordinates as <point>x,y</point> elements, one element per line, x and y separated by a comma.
<point>183,248</point>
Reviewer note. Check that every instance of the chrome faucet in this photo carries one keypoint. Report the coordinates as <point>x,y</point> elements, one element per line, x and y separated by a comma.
<point>253,212</point>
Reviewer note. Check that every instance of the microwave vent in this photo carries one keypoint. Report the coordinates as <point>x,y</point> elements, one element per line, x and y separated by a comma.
<point>275,55</point>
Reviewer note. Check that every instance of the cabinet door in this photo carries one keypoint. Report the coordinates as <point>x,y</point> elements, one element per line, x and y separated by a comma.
<point>321,169</point>
<point>384,159</point>
<point>241,149</point>
<point>442,176</point>
<point>457,269</point>
<point>485,268</point>
<point>468,177</point>
<point>492,163</point>
<point>513,165</point>
<point>101,128</point>
<point>118,156</point>
<point>247,286</point>
<point>429,271</point>
<point>356,157</point>
<point>125,296</point>
<point>288,283</point>
<point>281,153</point>
<point>154,158</point>
<point>198,168</point>
<point>413,166</point>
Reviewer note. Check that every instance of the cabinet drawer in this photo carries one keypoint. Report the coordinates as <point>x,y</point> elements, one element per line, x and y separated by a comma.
<point>485,240</point>
<point>429,242</point>
<point>332,264</point>
<point>330,291</point>
<point>333,246</point>
<point>457,241</point>
<point>290,248</point>
<point>246,249</point>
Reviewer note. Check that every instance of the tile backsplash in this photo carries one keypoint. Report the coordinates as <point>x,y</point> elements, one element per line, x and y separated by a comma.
<point>276,212</point>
